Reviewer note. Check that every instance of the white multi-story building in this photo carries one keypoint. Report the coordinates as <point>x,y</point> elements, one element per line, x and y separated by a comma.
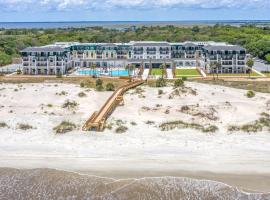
<point>59,57</point>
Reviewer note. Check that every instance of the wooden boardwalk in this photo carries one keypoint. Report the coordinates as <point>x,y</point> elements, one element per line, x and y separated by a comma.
<point>98,119</point>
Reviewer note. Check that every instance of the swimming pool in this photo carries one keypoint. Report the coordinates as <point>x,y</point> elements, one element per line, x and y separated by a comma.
<point>91,72</point>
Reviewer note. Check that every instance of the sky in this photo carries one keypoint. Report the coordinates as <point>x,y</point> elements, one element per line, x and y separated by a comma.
<point>133,10</point>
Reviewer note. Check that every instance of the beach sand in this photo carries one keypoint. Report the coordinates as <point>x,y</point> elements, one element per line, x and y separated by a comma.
<point>239,159</point>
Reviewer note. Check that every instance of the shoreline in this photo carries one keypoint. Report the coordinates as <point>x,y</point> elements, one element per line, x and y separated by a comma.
<point>248,181</point>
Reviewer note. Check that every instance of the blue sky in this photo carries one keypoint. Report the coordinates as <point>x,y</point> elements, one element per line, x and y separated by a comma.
<point>126,10</point>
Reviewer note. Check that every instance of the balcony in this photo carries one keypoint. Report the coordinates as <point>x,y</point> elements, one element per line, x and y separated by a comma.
<point>138,52</point>
<point>151,52</point>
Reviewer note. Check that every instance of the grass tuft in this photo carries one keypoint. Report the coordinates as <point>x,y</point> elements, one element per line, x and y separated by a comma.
<point>64,127</point>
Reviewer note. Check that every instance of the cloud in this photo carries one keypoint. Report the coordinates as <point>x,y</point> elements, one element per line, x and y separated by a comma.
<point>134,4</point>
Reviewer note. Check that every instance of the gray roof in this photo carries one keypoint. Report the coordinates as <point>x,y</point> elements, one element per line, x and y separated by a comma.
<point>190,44</point>
<point>44,49</point>
<point>224,48</point>
<point>142,44</point>
<point>107,45</point>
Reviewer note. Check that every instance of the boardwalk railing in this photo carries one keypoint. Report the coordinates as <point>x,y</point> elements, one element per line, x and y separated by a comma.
<point>98,119</point>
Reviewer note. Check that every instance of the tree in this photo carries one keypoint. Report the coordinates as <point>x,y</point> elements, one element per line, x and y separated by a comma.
<point>218,67</point>
<point>93,67</point>
<point>4,59</point>
<point>162,67</point>
<point>130,68</point>
<point>250,64</point>
<point>215,67</point>
<point>195,29</point>
<point>267,57</point>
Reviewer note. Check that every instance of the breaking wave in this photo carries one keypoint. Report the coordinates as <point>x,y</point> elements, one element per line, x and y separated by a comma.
<point>54,184</point>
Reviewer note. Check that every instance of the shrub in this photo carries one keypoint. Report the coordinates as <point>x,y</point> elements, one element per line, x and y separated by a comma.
<point>64,127</point>
<point>70,104</point>
<point>160,92</point>
<point>178,83</point>
<point>86,84</point>
<point>49,105</point>
<point>19,71</point>
<point>184,78</point>
<point>250,94</point>
<point>210,129</point>
<point>150,122</point>
<point>3,125</point>
<point>110,87</point>
<point>133,123</point>
<point>82,94</point>
<point>181,124</point>
<point>63,93</point>
<point>99,88</point>
<point>121,129</point>
<point>99,82</point>
<point>161,82</point>
<point>24,126</point>
<point>82,84</point>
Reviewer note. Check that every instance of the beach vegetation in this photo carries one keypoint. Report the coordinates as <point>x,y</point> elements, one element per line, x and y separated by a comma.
<point>110,87</point>
<point>178,83</point>
<point>160,92</point>
<point>133,123</point>
<point>82,94</point>
<point>64,127</point>
<point>23,126</point>
<point>161,82</point>
<point>3,125</point>
<point>258,125</point>
<point>70,104</point>
<point>121,129</point>
<point>167,126</point>
<point>250,94</point>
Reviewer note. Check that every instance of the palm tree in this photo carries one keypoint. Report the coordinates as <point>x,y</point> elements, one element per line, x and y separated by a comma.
<point>213,68</point>
<point>93,67</point>
<point>130,68</point>
<point>218,67</point>
<point>250,64</point>
<point>162,67</point>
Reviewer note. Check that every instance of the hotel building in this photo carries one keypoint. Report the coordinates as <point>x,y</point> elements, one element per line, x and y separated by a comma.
<point>60,57</point>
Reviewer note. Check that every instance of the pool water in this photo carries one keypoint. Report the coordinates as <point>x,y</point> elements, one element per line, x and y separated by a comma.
<point>102,73</point>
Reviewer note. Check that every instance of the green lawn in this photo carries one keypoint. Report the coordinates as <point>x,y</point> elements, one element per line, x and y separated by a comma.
<point>157,72</point>
<point>253,74</point>
<point>267,74</point>
<point>186,72</point>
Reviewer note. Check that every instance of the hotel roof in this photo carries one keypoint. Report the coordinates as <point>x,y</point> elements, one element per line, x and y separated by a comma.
<point>224,48</point>
<point>150,43</point>
<point>44,49</point>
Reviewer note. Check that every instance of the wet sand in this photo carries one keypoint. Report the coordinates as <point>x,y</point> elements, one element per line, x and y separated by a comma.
<point>55,184</point>
<point>245,182</point>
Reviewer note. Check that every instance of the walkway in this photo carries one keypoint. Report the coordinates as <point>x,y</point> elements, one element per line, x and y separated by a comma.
<point>145,74</point>
<point>169,74</point>
<point>97,120</point>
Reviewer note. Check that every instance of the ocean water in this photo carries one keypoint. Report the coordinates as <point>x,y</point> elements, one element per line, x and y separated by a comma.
<point>53,184</point>
<point>123,24</point>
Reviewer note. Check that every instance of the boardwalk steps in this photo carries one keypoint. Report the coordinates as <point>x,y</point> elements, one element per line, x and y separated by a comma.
<point>97,120</point>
